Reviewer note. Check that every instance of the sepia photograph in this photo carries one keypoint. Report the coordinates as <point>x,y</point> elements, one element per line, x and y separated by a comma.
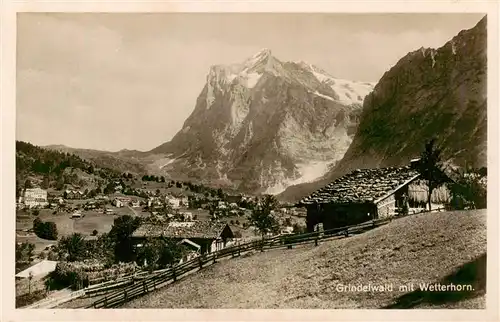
<point>240,160</point>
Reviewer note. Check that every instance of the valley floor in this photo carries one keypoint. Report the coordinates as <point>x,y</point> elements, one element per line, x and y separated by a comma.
<point>447,247</point>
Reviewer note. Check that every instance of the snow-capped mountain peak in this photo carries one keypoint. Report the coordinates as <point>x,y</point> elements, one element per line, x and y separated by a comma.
<point>346,91</point>
<point>264,124</point>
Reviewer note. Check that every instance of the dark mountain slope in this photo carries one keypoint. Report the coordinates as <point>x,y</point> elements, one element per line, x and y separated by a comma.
<point>439,93</point>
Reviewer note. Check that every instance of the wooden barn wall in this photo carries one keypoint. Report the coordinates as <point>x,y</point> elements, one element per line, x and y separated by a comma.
<point>387,207</point>
<point>340,215</point>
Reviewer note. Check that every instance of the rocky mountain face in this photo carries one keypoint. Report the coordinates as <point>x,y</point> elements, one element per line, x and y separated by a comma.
<point>264,124</point>
<point>439,93</point>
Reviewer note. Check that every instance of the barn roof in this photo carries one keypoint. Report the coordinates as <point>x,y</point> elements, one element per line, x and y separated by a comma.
<point>362,185</point>
<point>193,229</point>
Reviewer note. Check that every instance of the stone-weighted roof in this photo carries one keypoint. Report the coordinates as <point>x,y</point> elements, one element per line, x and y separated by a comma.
<point>362,185</point>
<point>193,229</point>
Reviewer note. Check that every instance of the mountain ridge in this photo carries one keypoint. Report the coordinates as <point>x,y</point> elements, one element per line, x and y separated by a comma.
<point>429,93</point>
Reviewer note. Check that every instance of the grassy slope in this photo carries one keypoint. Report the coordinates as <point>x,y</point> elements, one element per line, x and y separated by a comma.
<point>421,248</point>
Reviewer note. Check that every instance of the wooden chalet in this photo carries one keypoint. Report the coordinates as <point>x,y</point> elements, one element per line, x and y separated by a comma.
<point>209,236</point>
<point>363,195</point>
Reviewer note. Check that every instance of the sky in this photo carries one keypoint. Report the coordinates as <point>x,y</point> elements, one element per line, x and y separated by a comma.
<point>129,80</point>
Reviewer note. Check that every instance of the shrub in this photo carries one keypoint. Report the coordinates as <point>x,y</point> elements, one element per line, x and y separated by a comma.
<point>94,232</point>
<point>66,275</point>
<point>36,212</point>
<point>469,191</point>
<point>45,230</point>
<point>24,252</point>
<point>73,246</point>
<point>29,298</point>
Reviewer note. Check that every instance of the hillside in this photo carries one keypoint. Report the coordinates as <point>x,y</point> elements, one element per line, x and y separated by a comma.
<point>448,247</point>
<point>429,93</point>
<point>264,124</point>
<point>122,161</point>
<point>54,169</point>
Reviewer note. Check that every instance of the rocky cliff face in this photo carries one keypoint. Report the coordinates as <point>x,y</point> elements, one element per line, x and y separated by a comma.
<point>439,93</point>
<point>264,124</point>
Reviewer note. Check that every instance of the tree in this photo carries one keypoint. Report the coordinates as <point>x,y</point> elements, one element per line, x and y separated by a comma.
<point>261,217</point>
<point>73,245</point>
<point>28,184</point>
<point>94,232</point>
<point>121,233</point>
<point>24,252</point>
<point>212,208</point>
<point>45,230</point>
<point>469,189</point>
<point>430,168</point>
<point>160,252</point>
<point>45,183</point>
<point>220,193</point>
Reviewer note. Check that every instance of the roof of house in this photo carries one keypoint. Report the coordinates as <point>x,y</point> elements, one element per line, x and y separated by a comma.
<point>42,268</point>
<point>363,185</point>
<point>192,229</point>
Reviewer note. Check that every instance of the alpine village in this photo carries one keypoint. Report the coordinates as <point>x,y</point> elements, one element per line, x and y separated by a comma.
<point>191,225</point>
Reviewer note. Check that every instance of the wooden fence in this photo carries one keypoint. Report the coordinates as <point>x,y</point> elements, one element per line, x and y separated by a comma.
<point>118,293</point>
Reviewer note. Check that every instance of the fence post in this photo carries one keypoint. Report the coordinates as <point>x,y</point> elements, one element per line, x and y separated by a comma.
<point>316,242</point>
<point>239,250</point>
<point>173,274</point>
<point>200,262</point>
<point>125,294</point>
<point>215,255</point>
<point>105,301</point>
<point>144,286</point>
<point>346,232</point>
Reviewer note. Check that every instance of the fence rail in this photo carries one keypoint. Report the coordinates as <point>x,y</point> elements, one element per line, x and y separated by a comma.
<point>118,294</point>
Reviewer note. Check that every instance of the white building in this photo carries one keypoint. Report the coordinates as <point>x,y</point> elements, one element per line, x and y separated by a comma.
<point>35,197</point>
<point>117,203</point>
<point>173,201</point>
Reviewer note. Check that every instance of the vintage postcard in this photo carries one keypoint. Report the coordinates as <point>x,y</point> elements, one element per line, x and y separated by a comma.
<point>286,161</point>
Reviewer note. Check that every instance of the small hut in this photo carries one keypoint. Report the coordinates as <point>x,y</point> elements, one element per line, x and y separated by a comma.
<point>366,194</point>
<point>209,236</point>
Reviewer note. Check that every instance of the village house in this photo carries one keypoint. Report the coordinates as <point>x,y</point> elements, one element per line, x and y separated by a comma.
<point>117,203</point>
<point>367,194</point>
<point>35,197</point>
<point>173,201</point>
<point>154,202</point>
<point>177,202</point>
<point>188,216</point>
<point>222,205</point>
<point>73,194</point>
<point>234,198</point>
<point>205,236</point>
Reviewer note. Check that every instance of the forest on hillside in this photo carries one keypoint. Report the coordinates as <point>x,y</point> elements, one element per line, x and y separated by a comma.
<point>50,166</point>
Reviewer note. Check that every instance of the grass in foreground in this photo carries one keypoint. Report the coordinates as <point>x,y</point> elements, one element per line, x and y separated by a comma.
<point>425,248</point>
